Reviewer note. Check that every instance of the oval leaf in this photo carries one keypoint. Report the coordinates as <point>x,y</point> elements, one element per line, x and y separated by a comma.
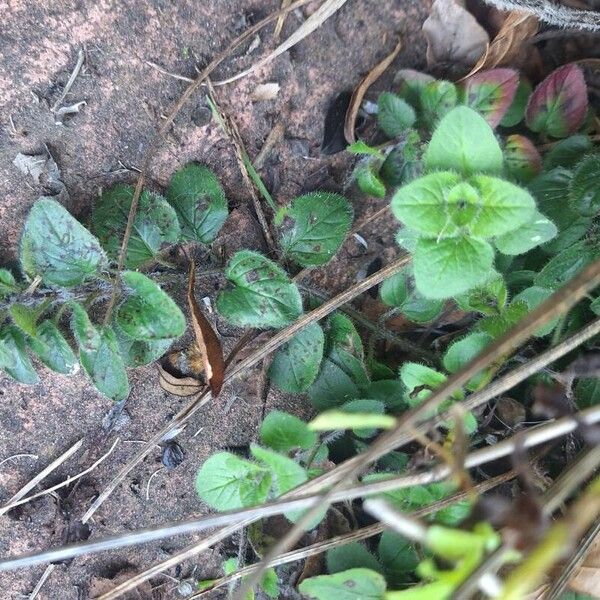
<point>199,201</point>
<point>296,364</point>
<point>154,226</point>
<point>51,347</point>
<point>491,93</point>
<point>262,293</point>
<point>99,355</point>
<point>14,360</point>
<point>523,161</point>
<point>559,104</point>
<point>314,227</point>
<point>284,432</point>
<point>353,584</point>
<point>148,313</point>
<point>394,115</point>
<point>464,142</point>
<point>585,191</point>
<point>536,231</point>
<point>451,266</point>
<point>57,248</point>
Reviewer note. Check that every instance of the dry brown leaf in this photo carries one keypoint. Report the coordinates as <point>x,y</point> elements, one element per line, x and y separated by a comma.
<point>265,91</point>
<point>587,578</point>
<point>506,46</point>
<point>361,89</point>
<point>206,339</point>
<point>178,386</point>
<point>453,35</point>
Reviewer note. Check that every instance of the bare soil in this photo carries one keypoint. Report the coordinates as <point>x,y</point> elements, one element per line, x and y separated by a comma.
<point>104,143</point>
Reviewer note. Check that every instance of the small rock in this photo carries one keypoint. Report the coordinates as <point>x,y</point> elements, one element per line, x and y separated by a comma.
<point>173,455</point>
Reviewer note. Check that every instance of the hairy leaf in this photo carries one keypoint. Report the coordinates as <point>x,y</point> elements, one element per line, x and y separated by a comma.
<point>451,266</point>
<point>394,115</point>
<point>332,387</point>
<point>314,227</point>
<point>516,111</point>
<point>351,556</point>
<point>296,364</point>
<point>57,248</point>
<point>585,191</point>
<point>437,99</point>
<point>464,142</point>
<point>372,413</point>
<point>148,313</point>
<point>154,226</point>
<point>99,355</point>
<point>566,265</point>
<point>398,557</point>
<point>367,178</point>
<point>199,201</point>
<point>568,152</point>
<point>14,360</point>
<point>536,231</point>
<point>262,294</point>
<point>284,432</point>
<point>558,106</point>
<point>227,482</point>
<point>8,285</point>
<point>51,347</point>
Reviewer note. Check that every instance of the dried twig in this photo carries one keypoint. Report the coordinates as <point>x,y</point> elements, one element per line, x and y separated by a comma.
<point>41,475</point>
<point>68,481</point>
<point>9,458</point>
<point>326,10</point>
<point>280,21</point>
<point>361,89</point>
<point>165,72</point>
<point>70,82</point>
<point>41,582</point>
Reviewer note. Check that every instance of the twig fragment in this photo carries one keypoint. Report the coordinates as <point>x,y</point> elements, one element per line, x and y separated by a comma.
<point>70,82</point>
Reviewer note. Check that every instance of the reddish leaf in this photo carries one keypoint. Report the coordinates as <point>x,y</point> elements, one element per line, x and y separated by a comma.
<point>521,158</point>
<point>206,339</point>
<point>491,93</point>
<point>559,104</point>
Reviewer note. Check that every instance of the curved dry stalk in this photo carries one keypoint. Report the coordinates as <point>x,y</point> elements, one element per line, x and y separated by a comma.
<point>559,303</point>
<point>272,344</point>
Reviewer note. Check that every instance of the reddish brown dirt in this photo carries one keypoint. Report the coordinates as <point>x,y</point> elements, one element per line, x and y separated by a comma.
<point>125,99</point>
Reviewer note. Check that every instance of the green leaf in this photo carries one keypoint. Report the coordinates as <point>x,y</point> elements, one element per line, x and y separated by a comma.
<point>566,265</point>
<point>587,392</point>
<point>314,227</point>
<point>286,474</point>
<point>360,147</point>
<point>351,556</point>
<point>403,163</point>
<point>199,201</point>
<point>389,391</point>
<point>332,387</point>
<point>52,349</point>
<point>155,224</point>
<point>370,409</point>
<point>488,299</point>
<point>8,285</point>
<point>25,317</point>
<point>284,432</point>
<point>227,482</point>
<point>407,239</point>
<point>421,204</point>
<point>354,367</point>
<point>57,248</point>
<point>419,309</point>
<point>99,355</point>
<point>230,566</point>
<point>559,104</point>
<point>491,93</point>
<point>148,313</point>
<point>354,584</point>
<point>585,191</point>
<point>394,291</point>
<point>533,297</point>
<point>464,142</point>
<point>516,111</point>
<point>537,231</point>
<point>342,334</point>
<point>398,557</point>
<point>568,152</point>
<point>13,356</point>
<point>367,178</point>
<point>136,353</point>
<point>270,583</point>
<point>498,325</point>
<point>504,206</point>
<point>332,420</point>
<point>465,350</point>
<point>262,294</point>
<point>394,115</point>
<point>451,266</point>
<point>437,99</point>
<point>296,364</point>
